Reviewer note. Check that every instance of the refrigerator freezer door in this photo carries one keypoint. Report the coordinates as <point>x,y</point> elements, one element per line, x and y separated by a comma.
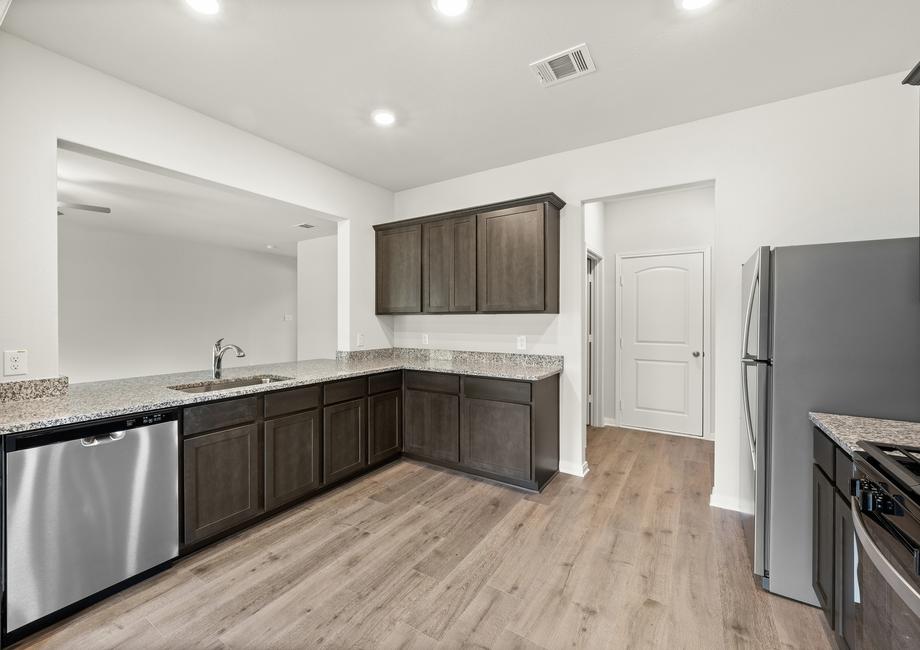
<point>756,291</point>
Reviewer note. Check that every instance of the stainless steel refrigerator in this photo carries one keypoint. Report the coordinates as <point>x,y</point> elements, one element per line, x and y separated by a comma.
<point>828,327</point>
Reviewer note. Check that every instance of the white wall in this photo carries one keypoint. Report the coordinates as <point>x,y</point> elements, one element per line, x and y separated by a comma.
<point>317,332</point>
<point>837,165</point>
<point>113,116</point>
<point>679,219</point>
<point>595,228</point>
<point>127,309</point>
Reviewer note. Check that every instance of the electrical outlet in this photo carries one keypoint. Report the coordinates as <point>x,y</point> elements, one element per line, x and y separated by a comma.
<point>522,343</point>
<point>287,318</point>
<point>16,362</point>
<point>359,340</point>
<point>424,339</point>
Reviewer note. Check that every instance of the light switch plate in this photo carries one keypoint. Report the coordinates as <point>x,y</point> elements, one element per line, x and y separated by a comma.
<point>522,343</point>
<point>15,362</point>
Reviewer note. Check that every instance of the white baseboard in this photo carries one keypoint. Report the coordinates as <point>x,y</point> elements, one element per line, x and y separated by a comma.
<point>610,422</point>
<point>573,468</point>
<point>731,503</point>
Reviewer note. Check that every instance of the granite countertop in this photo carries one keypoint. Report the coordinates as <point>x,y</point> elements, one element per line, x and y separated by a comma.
<point>96,400</point>
<point>848,430</point>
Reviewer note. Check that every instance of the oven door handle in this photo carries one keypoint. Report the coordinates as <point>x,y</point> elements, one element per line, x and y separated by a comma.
<point>905,591</point>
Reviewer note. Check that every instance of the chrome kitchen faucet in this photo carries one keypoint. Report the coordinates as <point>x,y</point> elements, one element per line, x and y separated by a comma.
<point>219,351</point>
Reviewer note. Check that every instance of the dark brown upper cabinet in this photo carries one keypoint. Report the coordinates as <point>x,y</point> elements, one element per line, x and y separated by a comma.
<point>449,265</point>
<point>518,260</point>
<point>399,270</point>
<point>501,257</point>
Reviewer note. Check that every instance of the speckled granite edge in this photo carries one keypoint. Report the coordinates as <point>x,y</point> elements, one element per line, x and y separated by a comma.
<point>375,354</point>
<point>848,430</point>
<point>459,356</point>
<point>84,402</point>
<point>14,391</point>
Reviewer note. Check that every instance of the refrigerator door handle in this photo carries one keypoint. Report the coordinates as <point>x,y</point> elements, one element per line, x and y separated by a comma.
<point>749,310</point>
<point>748,417</point>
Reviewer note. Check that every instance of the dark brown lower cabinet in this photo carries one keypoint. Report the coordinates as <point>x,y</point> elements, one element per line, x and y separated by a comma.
<point>344,439</point>
<point>823,542</point>
<point>432,425</point>
<point>495,437</point>
<point>222,481</point>
<point>846,610</point>
<point>384,421</point>
<point>245,457</point>
<point>834,541</point>
<point>503,429</point>
<point>292,457</point>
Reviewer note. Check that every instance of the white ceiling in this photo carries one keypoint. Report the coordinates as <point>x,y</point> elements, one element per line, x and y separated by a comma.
<point>146,200</point>
<point>306,74</point>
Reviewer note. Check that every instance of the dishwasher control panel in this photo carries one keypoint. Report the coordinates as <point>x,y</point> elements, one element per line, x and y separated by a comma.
<point>149,418</point>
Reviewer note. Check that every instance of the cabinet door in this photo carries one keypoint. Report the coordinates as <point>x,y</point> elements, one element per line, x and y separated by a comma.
<point>495,437</point>
<point>512,259</point>
<point>399,270</point>
<point>222,481</point>
<point>822,558</point>
<point>449,265</point>
<point>384,419</point>
<point>463,264</point>
<point>436,266</point>
<point>292,448</point>
<point>432,425</point>
<point>344,440</point>
<point>845,608</point>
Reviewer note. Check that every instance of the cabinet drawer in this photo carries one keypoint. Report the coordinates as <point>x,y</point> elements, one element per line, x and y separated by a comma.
<point>291,401</point>
<point>384,382</point>
<point>824,452</point>
<point>219,415</point>
<point>341,391</point>
<point>843,472</point>
<point>434,381</point>
<point>501,390</point>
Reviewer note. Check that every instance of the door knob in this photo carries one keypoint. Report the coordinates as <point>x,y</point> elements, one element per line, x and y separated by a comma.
<point>696,353</point>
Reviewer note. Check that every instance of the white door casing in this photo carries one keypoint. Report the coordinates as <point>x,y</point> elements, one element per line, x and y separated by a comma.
<point>660,342</point>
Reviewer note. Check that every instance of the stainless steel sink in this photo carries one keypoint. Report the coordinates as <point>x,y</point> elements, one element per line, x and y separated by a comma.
<point>224,384</point>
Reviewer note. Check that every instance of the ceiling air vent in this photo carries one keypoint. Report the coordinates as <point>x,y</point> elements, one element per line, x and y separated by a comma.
<point>569,64</point>
<point>304,225</point>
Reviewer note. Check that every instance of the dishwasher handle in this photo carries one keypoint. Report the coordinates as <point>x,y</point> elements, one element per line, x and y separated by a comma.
<point>95,441</point>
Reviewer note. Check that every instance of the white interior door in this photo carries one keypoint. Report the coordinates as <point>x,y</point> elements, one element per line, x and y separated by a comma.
<point>661,343</point>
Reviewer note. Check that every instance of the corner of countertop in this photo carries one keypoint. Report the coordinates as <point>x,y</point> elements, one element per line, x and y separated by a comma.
<point>849,430</point>
<point>26,389</point>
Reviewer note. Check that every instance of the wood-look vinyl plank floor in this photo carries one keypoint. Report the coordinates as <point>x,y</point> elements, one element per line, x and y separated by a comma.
<point>412,556</point>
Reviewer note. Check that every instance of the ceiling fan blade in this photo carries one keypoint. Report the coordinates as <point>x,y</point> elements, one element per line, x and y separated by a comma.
<point>81,206</point>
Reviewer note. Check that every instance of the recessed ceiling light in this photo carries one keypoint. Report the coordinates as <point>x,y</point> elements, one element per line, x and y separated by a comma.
<point>383,117</point>
<point>451,8</point>
<point>692,5</point>
<point>209,7</point>
<point>270,246</point>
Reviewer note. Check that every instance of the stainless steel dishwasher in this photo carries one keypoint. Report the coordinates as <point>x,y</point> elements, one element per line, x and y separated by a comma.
<point>86,509</point>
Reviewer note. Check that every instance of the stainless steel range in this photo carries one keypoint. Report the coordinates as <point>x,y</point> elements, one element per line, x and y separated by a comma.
<point>886,517</point>
<point>86,510</point>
